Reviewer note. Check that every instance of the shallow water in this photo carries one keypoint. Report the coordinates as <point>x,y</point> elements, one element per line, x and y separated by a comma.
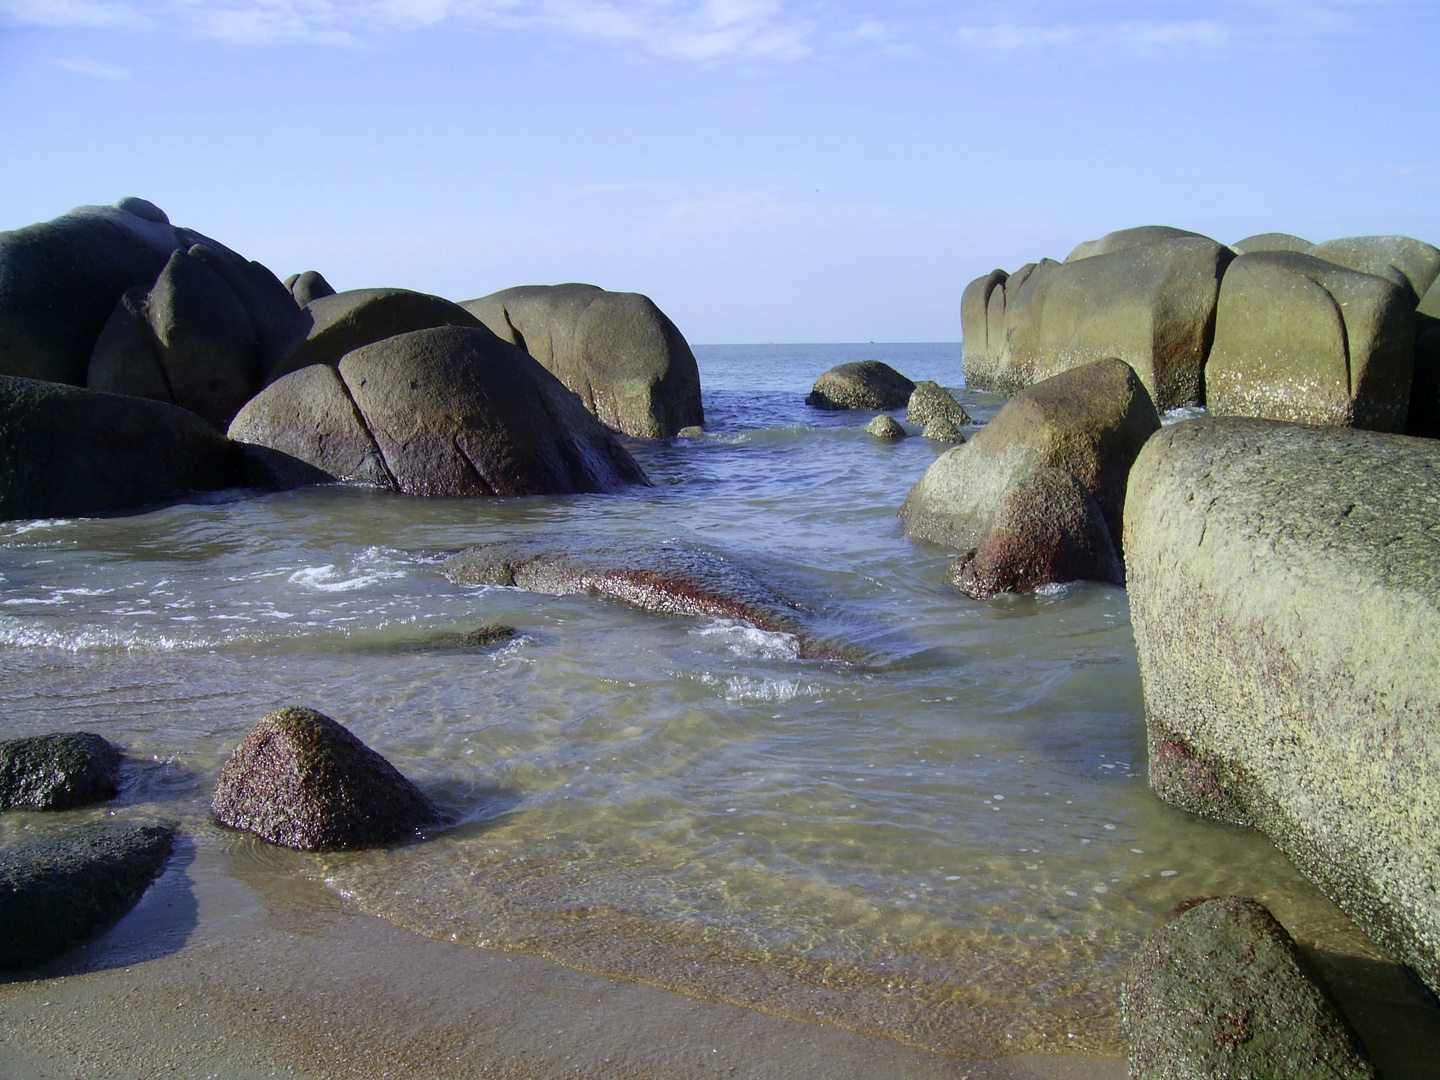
<point>952,843</point>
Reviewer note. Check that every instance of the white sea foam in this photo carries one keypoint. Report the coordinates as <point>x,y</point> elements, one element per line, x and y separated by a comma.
<point>23,527</point>
<point>751,642</point>
<point>370,567</point>
<point>738,688</point>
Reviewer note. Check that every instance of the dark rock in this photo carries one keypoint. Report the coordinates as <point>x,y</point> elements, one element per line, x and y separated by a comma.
<point>885,426</point>
<point>343,322</point>
<point>1047,529</point>
<point>861,384</point>
<point>66,884</point>
<point>1222,992</point>
<point>484,636</point>
<point>930,401</point>
<point>278,324</point>
<point>1424,414</point>
<point>661,578</point>
<point>127,355</point>
<point>308,286</point>
<point>301,780</point>
<point>1090,422</point>
<point>625,359</point>
<point>66,451</point>
<point>58,771</point>
<point>1286,610</point>
<point>1304,340</point>
<point>1273,241</point>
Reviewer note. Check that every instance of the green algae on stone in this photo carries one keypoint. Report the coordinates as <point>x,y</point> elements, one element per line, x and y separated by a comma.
<point>64,885</point>
<point>58,771</point>
<point>302,780</point>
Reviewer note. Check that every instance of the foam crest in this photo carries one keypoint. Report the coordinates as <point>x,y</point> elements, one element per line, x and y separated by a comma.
<point>750,642</point>
<point>371,567</point>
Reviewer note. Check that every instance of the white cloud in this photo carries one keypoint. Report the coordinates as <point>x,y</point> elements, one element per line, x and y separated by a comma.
<point>94,69</point>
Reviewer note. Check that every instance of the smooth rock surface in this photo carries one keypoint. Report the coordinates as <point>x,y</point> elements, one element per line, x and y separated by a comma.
<point>302,780</point>
<point>618,351</point>
<point>58,771</point>
<point>1304,340</point>
<point>1222,993</point>
<point>1285,600</point>
<point>66,884</point>
<point>307,286</point>
<point>66,451</point>
<point>1396,258</point>
<point>861,384</point>
<point>1124,239</point>
<point>1273,241</point>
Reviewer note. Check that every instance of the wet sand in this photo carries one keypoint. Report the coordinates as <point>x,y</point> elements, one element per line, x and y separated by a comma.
<point>243,973</point>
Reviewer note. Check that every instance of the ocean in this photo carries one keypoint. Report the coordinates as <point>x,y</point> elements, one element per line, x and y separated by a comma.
<point>950,843</point>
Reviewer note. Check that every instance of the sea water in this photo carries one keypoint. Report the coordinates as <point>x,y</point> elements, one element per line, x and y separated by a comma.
<point>950,842</point>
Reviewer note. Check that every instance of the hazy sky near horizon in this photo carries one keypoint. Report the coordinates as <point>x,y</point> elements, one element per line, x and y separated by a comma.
<point>766,170</point>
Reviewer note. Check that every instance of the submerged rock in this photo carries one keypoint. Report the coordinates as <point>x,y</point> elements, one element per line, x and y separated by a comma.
<point>885,426</point>
<point>302,780</point>
<point>66,884</point>
<point>617,351</point>
<point>1285,601</point>
<point>58,771</point>
<point>662,578</point>
<point>861,384</point>
<point>1222,992</point>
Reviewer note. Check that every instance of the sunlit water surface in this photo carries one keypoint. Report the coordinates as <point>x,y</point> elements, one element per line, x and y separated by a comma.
<point>953,844</point>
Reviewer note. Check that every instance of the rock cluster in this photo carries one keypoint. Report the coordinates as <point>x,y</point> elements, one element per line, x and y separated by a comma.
<point>1037,496</point>
<point>1274,327</point>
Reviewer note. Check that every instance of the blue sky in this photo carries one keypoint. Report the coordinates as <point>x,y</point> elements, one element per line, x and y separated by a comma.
<point>766,170</point>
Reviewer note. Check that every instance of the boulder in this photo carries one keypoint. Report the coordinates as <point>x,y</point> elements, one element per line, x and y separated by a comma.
<point>66,884</point>
<point>301,780</point>
<point>626,360</point>
<point>1401,259</point>
<point>188,342</point>
<point>1001,358</point>
<point>66,451</point>
<point>58,771</point>
<point>1273,241</point>
<point>885,426</point>
<point>1222,992</point>
<point>450,411</point>
<point>930,401</point>
<point>308,286</point>
<point>668,579</point>
<point>343,322</point>
<point>1301,339</point>
<point>1090,422</point>
<point>1430,302</point>
<point>943,429</point>
<point>861,384</point>
<point>1125,239</point>
<point>1286,608</point>
<point>982,328</point>
<point>60,282</point>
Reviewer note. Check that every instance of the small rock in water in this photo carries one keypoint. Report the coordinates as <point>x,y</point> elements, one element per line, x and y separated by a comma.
<point>490,634</point>
<point>931,401</point>
<point>1221,991</point>
<point>66,884</point>
<point>693,431</point>
<point>885,426</point>
<point>861,384</point>
<point>302,780</point>
<point>944,429</point>
<point>58,771</point>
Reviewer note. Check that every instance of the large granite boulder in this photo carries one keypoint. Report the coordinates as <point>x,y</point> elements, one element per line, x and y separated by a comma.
<point>1284,589</point>
<point>66,451</point>
<point>1301,339</point>
<point>861,384</point>
<point>307,286</point>
<point>301,780</point>
<point>343,322</point>
<point>189,342</point>
<point>61,281</point>
<point>626,360</point>
<point>668,579</point>
<point>1221,992</point>
<point>1401,259</point>
<point>67,883</point>
<point>1144,296</point>
<point>1273,241</point>
<point>1090,422</point>
<point>451,411</point>
<point>58,771</point>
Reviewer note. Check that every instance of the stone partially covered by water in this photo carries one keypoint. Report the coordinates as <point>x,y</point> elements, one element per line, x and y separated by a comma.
<point>58,771</point>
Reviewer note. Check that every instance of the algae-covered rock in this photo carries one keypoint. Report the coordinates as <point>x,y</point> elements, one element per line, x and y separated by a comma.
<point>304,781</point>
<point>1222,993</point>
<point>1285,601</point>
<point>930,401</point>
<point>885,426</point>
<point>861,384</point>
<point>943,429</point>
<point>66,884</point>
<point>58,771</point>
